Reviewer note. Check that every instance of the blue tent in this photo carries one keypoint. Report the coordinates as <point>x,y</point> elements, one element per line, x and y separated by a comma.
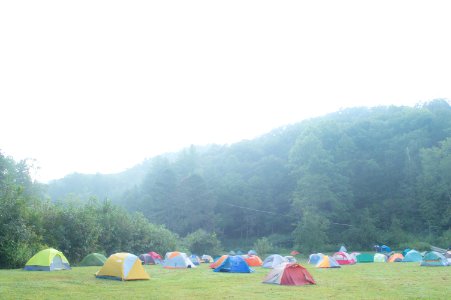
<point>234,264</point>
<point>315,258</point>
<point>404,252</point>
<point>434,259</point>
<point>385,248</point>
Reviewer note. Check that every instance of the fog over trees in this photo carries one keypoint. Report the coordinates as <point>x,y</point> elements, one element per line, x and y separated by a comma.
<point>360,176</point>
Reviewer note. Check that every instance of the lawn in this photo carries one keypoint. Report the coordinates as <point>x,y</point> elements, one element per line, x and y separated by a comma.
<point>361,281</point>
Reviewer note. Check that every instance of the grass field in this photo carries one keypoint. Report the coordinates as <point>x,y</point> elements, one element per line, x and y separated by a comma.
<point>361,281</point>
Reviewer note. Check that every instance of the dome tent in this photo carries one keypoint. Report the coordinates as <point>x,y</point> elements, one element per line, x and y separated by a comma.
<point>273,261</point>
<point>434,259</point>
<point>47,260</point>
<point>234,264</point>
<point>177,260</point>
<point>289,274</point>
<point>413,256</point>
<point>123,266</point>
<point>93,259</point>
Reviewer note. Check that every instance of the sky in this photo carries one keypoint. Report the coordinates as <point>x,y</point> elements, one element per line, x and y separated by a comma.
<point>98,86</point>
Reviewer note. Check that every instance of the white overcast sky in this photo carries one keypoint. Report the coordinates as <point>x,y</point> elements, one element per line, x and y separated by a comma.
<point>98,86</point>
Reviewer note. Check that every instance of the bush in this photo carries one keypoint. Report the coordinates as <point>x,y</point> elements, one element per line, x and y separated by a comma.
<point>263,246</point>
<point>200,242</point>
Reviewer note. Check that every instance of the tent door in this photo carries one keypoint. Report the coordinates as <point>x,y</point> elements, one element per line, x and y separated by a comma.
<point>57,263</point>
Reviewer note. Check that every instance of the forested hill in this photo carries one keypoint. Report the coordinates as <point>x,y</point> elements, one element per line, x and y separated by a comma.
<point>358,176</point>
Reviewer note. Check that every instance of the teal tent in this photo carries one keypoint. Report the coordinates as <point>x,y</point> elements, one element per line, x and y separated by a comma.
<point>365,258</point>
<point>434,259</point>
<point>412,256</point>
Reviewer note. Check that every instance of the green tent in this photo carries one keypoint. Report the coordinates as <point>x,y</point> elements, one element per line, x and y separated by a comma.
<point>48,260</point>
<point>434,259</point>
<point>93,259</point>
<point>365,258</point>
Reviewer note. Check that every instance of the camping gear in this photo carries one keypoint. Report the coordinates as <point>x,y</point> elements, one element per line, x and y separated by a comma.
<point>343,258</point>
<point>385,248</point>
<point>156,257</point>
<point>123,266</point>
<point>315,258</point>
<point>195,259</point>
<point>253,260</point>
<point>234,264</point>
<point>342,249</point>
<point>47,260</point>
<point>177,260</point>
<point>434,259</point>
<point>273,261</point>
<point>219,261</point>
<point>289,274</point>
<point>146,259</point>
<point>93,259</point>
<point>365,258</point>
<point>207,258</point>
<point>380,258</point>
<point>395,257</point>
<point>413,256</point>
<point>252,252</point>
<point>404,252</point>
<point>328,262</point>
<point>294,252</point>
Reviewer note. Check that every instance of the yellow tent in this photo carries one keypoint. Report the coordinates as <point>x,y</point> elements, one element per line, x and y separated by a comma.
<point>123,266</point>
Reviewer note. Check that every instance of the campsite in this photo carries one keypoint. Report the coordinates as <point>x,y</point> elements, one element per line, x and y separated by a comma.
<point>360,281</point>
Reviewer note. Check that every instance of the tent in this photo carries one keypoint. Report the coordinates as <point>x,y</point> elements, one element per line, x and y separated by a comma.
<point>48,260</point>
<point>395,257</point>
<point>207,258</point>
<point>234,264</point>
<point>404,252</point>
<point>289,274</point>
<point>195,259</point>
<point>315,258</point>
<point>253,260</point>
<point>93,259</point>
<point>219,261</point>
<point>380,258</point>
<point>343,258</point>
<point>342,249</point>
<point>413,256</point>
<point>273,261</point>
<point>123,266</point>
<point>294,252</point>
<point>252,252</point>
<point>434,259</point>
<point>177,260</point>
<point>146,259</point>
<point>328,262</point>
<point>365,258</point>
<point>156,257</point>
<point>385,248</point>
<point>291,259</point>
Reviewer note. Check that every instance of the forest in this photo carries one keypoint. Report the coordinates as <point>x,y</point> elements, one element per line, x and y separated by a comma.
<point>358,177</point>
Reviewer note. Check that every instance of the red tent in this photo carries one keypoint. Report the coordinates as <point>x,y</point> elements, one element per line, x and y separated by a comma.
<point>294,252</point>
<point>155,255</point>
<point>289,274</point>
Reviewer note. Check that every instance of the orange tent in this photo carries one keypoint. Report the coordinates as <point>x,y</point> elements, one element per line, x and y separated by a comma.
<point>253,260</point>
<point>218,262</point>
<point>395,257</point>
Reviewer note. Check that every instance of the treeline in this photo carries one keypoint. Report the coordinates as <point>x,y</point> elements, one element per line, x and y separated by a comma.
<point>28,223</point>
<point>360,176</point>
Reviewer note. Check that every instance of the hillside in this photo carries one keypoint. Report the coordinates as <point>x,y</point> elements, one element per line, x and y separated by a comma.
<point>358,176</point>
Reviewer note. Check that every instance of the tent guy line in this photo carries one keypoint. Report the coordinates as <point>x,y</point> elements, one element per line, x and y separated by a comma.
<point>274,213</point>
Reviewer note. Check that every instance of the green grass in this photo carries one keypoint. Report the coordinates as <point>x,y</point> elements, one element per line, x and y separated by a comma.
<point>361,281</point>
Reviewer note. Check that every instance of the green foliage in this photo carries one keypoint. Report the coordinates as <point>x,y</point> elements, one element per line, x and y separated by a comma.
<point>201,242</point>
<point>310,235</point>
<point>263,246</point>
